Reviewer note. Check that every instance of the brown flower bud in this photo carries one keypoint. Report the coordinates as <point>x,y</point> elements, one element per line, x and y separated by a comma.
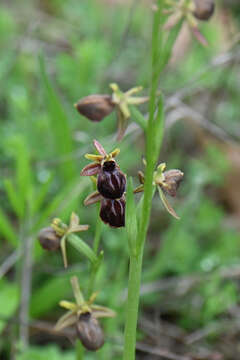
<point>95,107</point>
<point>111,182</point>
<point>171,182</point>
<point>49,239</point>
<point>89,332</point>
<point>112,212</point>
<point>204,9</point>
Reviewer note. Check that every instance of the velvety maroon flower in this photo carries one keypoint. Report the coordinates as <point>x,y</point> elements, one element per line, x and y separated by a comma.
<point>112,212</point>
<point>111,182</point>
<point>89,332</point>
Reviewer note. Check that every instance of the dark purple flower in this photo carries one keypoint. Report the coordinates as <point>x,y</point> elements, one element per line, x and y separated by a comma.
<point>111,182</point>
<point>112,212</point>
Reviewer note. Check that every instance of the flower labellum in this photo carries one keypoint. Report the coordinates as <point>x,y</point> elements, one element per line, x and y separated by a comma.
<point>111,182</point>
<point>112,212</point>
<point>95,107</point>
<point>204,9</point>
<point>89,332</point>
<point>49,239</point>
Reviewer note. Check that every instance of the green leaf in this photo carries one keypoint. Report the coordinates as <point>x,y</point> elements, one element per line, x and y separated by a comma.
<point>18,147</point>
<point>82,247</point>
<point>62,200</point>
<point>7,230</point>
<point>14,198</point>
<point>9,297</point>
<point>168,45</point>
<point>59,123</point>
<point>159,126</point>
<point>47,296</point>
<point>23,170</point>
<point>45,352</point>
<point>131,216</point>
<point>40,198</point>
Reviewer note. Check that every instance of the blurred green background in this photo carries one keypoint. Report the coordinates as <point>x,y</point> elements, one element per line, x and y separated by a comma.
<point>55,52</point>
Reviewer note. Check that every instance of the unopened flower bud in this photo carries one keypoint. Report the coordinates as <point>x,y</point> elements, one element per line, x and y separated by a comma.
<point>112,212</point>
<point>111,182</point>
<point>89,332</point>
<point>171,182</point>
<point>49,239</point>
<point>204,9</point>
<point>95,107</point>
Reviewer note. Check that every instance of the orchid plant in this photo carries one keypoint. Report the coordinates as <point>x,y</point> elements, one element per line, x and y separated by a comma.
<point>111,188</point>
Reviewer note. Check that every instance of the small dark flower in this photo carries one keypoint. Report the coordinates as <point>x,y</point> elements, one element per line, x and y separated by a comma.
<point>171,181</point>
<point>204,9</point>
<point>112,212</point>
<point>95,107</point>
<point>49,239</point>
<point>98,160</point>
<point>111,182</point>
<point>89,332</point>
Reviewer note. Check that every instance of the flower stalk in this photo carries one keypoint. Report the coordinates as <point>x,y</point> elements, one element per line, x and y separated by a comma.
<point>96,242</point>
<point>152,148</point>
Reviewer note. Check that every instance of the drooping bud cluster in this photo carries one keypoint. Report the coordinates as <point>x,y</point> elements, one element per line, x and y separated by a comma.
<point>111,185</point>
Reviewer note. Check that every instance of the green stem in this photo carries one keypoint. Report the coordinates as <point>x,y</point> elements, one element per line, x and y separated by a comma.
<point>136,256</point>
<point>98,231</point>
<point>134,283</point>
<point>96,242</point>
